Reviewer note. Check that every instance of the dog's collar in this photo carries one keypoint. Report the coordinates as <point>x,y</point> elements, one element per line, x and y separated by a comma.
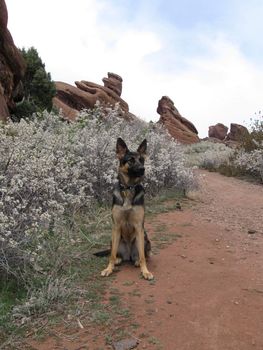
<point>125,187</point>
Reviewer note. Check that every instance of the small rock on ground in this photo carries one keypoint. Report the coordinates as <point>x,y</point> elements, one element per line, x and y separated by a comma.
<point>125,344</point>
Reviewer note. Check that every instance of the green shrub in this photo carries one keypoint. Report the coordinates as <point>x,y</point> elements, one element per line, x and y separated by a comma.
<point>39,89</point>
<point>254,140</point>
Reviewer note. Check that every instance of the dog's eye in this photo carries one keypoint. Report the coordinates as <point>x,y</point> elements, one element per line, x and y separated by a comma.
<point>142,160</point>
<point>131,161</point>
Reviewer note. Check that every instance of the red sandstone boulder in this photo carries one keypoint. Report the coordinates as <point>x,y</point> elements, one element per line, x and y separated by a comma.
<point>72,99</point>
<point>218,131</point>
<point>12,66</point>
<point>178,127</point>
<point>237,132</point>
<point>114,83</point>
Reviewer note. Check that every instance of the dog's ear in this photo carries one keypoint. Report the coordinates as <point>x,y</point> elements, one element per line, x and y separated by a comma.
<point>121,148</point>
<point>142,148</point>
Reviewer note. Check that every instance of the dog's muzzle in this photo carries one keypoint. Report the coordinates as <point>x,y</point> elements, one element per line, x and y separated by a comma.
<point>136,172</point>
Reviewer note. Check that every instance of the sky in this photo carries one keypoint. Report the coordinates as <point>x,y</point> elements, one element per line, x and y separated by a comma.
<point>206,55</point>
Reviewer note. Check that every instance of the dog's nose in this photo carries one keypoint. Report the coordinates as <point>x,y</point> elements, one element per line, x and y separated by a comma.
<point>141,167</point>
<point>141,170</point>
<point>137,170</point>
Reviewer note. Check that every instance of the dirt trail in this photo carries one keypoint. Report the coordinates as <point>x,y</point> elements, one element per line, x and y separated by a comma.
<point>208,288</point>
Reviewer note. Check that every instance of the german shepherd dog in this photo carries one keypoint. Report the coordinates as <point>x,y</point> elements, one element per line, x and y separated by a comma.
<point>129,239</point>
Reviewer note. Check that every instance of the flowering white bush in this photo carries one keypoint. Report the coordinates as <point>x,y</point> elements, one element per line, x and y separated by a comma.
<point>208,155</point>
<point>231,162</point>
<point>51,169</point>
<point>251,161</point>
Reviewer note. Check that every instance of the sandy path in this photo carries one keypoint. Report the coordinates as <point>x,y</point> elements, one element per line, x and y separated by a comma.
<point>208,289</point>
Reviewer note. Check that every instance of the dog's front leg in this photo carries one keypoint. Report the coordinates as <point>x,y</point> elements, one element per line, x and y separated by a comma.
<point>140,245</point>
<point>115,241</point>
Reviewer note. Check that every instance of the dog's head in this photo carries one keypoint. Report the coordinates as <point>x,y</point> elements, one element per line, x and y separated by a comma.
<point>131,163</point>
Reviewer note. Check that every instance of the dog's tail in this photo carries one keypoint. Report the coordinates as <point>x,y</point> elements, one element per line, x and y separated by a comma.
<point>102,253</point>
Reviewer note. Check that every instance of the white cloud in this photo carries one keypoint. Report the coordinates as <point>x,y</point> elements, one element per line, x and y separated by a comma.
<point>220,85</point>
<point>223,87</point>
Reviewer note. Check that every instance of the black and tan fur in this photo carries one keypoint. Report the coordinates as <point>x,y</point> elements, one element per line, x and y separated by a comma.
<point>129,239</point>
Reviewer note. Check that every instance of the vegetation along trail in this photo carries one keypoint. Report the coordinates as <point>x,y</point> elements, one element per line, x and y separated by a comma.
<point>208,287</point>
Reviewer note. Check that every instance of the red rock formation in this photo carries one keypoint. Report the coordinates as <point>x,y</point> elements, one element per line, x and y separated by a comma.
<point>114,83</point>
<point>12,66</point>
<point>237,132</point>
<point>72,99</point>
<point>178,127</point>
<point>218,131</point>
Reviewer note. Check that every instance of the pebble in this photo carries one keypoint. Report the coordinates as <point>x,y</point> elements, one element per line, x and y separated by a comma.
<point>125,344</point>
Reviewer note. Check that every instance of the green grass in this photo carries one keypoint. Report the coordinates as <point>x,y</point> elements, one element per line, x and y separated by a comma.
<point>163,237</point>
<point>128,283</point>
<point>164,203</point>
<point>101,317</point>
<point>242,174</point>
<point>10,295</point>
<point>73,262</point>
<point>156,342</point>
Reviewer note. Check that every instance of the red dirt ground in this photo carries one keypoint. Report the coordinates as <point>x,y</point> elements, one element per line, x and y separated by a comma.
<point>208,287</point>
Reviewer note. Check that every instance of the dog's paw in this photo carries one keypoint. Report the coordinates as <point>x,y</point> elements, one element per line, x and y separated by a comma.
<point>106,272</point>
<point>118,261</point>
<point>147,275</point>
<point>137,263</point>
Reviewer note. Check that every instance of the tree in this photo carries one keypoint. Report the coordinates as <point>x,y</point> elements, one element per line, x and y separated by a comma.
<point>39,89</point>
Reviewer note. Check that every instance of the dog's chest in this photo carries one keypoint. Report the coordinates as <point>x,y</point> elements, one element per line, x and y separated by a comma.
<point>127,215</point>
<point>125,211</point>
<point>127,197</point>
